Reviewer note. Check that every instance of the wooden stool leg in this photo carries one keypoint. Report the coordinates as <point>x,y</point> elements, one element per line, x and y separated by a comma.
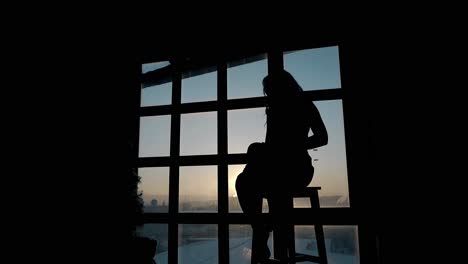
<point>319,236</point>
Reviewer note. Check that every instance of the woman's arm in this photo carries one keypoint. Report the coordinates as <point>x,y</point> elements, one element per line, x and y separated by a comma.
<point>320,134</point>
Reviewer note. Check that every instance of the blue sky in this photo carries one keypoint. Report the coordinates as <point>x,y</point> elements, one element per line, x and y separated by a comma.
<point>314,69</point>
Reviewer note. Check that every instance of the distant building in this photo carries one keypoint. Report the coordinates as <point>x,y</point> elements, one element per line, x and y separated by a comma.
<point>154,207</point>
<point>154,203</point>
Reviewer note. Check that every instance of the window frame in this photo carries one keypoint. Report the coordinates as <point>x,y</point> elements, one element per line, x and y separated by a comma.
<point>223,218</point>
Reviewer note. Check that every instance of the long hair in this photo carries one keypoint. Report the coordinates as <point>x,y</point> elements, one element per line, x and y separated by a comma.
<point>280,83</point>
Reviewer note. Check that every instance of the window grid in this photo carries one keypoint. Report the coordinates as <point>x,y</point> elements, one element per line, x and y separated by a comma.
<point>328,216</point>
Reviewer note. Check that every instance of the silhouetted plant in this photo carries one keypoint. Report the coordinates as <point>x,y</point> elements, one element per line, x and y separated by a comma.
<point>142,249</point>
<point>136,198</point>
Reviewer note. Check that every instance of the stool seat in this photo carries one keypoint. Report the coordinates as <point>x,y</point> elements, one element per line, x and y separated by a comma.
<point>284,237</point>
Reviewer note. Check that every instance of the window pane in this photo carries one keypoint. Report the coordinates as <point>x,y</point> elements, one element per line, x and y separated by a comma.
<point>245,77</point>
<point>154,184</point>
<point>198,189</point>
<point>158,232</point>
<point>245,127</point>
<point>198,243</point>
<point>233,172</point>
<point>198,134</point>
<point>160,94</point>
<point>157,95</point>
<point>330,161</point>
<point>154,136</point>
<point>234,206</point>
<point>197,88</point>
<point>147,67</point>
<point>240,244</point>
<point>341,243</point>
<point>314,69</point>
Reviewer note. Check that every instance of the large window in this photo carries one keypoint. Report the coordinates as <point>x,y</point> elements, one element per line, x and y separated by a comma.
<point>195,127</point>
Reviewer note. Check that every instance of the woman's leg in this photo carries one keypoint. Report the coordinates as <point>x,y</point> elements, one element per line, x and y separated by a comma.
<point>249,195</point>
<point>250,198</point>
<point>280,205</point>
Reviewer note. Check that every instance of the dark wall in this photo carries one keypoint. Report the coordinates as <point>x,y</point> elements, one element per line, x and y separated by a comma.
<point>106,103</point>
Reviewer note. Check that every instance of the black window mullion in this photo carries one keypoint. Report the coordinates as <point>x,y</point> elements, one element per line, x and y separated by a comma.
<point>223,227</point>
<point>353,203</point>
<point>240,103</point>
<point>174,168</point>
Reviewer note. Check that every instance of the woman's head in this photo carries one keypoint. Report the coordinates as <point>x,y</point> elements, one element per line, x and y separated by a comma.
<point>280,84</point>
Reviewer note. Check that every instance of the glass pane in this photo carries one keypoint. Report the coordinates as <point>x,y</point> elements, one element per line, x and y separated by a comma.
<point>302,203</point>
<point>158,232</point>
<point>233,172</point>
<point>330,161</point>
<point>154,184</point>
<point>198,134</point>
<point>240,244</point>
<point>147,67</point>
<point>198,243</point>
<point>155,136</point>
<point>234,206</point>
<point>198,189</point>
<point>341,243</point>
<point>157,95</point>
<point>245,78</point>
<point>314,69</point>
<point>199,88</point>
<point>245,127</point>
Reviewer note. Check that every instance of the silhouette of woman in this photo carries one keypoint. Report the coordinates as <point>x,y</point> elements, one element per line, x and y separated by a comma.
<point>282,164</point>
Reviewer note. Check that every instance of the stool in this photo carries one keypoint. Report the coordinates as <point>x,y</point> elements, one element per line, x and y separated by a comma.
<point>284,247</point>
